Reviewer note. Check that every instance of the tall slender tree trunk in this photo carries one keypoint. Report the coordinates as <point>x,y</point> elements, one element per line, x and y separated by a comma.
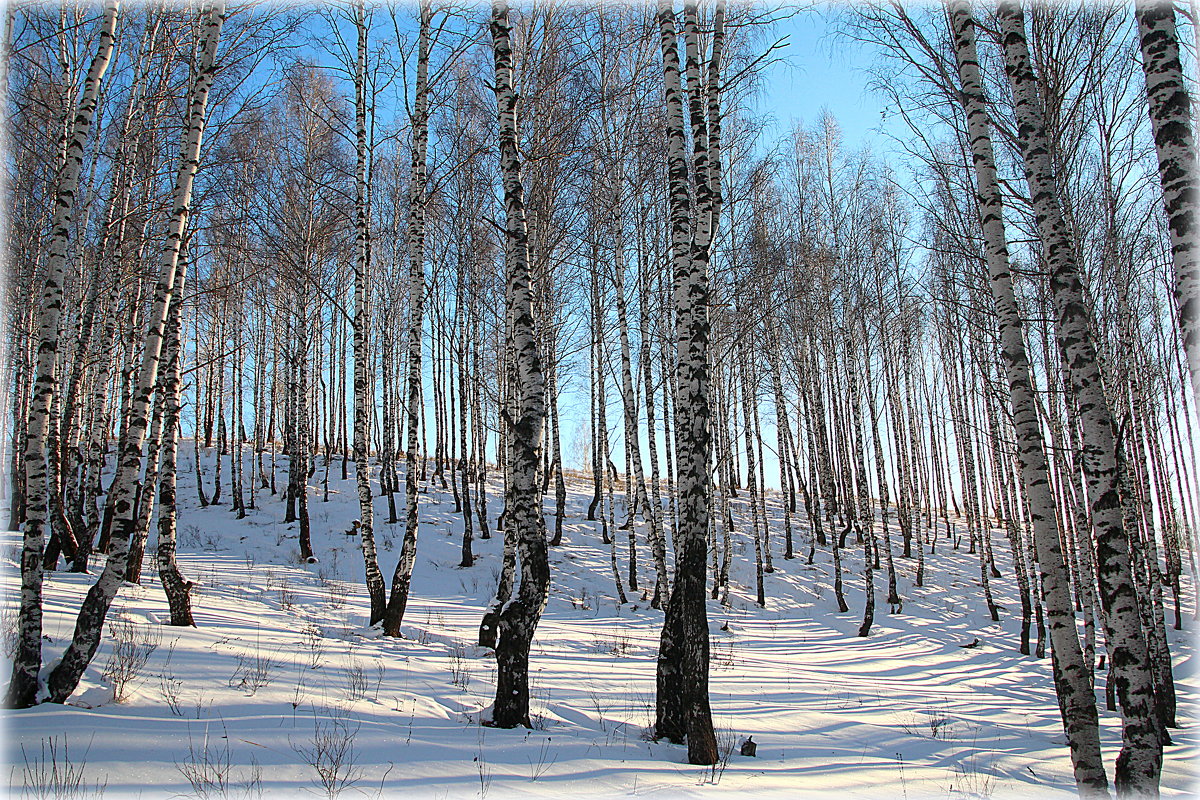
<point>464,391</point>
<point>633,448</point>
<point>519,617</point>
<point>66,675</point>
<point>1174,142</point>
<point>177,590</point>
<point>1072,675</point>
<point>1140,762</point>
<point>402,578</point>
<point>27,661</point>
<point>683,709</point>
<point>363,394</point>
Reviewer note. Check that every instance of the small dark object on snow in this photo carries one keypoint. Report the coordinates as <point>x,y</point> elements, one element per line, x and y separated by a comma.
<point>354,526</point>
<point>972,643</point>
<point>749,747</point>
<point>725,627</point>
<point>311,559</point>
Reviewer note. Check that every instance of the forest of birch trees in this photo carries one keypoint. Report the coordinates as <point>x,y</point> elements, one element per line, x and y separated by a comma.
<point>511,249</point>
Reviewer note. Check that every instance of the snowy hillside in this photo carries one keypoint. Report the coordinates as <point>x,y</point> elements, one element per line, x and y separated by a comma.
<point>281,679</point>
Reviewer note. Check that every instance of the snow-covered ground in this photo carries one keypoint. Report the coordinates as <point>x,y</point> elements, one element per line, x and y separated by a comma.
<point>281,673</point>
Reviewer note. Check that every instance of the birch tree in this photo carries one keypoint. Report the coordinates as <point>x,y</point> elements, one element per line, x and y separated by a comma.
<point>401,579</point>
<point>1140,762</point>
<point>1174,142</point>
<point>86,638</point>
<point>27,661</point>
<point>683,710</point>
<point>518,619</point>
<point>363,394</point>
<point>1072,676</point>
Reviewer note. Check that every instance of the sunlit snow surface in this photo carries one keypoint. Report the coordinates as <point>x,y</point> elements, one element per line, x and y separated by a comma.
<point>906,712</point>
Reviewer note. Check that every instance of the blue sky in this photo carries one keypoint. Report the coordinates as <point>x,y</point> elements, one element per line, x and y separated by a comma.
<point>820,70</point>
<point>816,70</point>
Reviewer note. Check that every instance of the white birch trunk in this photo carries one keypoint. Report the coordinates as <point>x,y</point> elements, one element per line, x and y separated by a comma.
<point>682,680</point>
<point>1072,675</point>
<point>1170,119</point>
<point>363,394</point>
<point>27,661</point>
<point>177,590</point>
<point>1140,761</point>
<point>523,506</point>
<point>393,617</point>
<point>66,675</point>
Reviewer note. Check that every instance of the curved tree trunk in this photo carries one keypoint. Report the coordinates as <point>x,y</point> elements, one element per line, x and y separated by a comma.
<point>27,661</point>
<point>1072,675</point>
<point>1140,762</point>
<point>66,675</point>
<point>178,590</point>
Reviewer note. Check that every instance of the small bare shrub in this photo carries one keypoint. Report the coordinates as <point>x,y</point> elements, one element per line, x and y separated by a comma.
<point>601,708</point>
<point>356,681</point>
<point>254,670</point>
<point>336,593</point>
<point>545,760</point>
<point>936,721</point>
<point>287,597</point>
<point>973,779</point>
<point>330,752</point>
<point>172,687</point>
<point>189,537</point>
<point>52,773</point>
<point>379,672</point>
<point>726,742</point>
<point>481,764</point>
<point>538,720</point>
<point>460,667</point>
<point>314,643</point>
<point>616,643</point>
<point>723,657</point>
<point>133,645</point>
<point>209,769</point>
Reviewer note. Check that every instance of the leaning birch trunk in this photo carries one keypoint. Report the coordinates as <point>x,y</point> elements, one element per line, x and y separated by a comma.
<point>177,590</point>
<point>683,709</point>
<point>65,677</point>
<point>363,395</point>
<point>144,505</point>
<point>1140,762</point>
<point>402,578</point>
<point>1072,676</point>
<point>27,661</point>
<point>519,617</point>
<point>1170,118</point>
